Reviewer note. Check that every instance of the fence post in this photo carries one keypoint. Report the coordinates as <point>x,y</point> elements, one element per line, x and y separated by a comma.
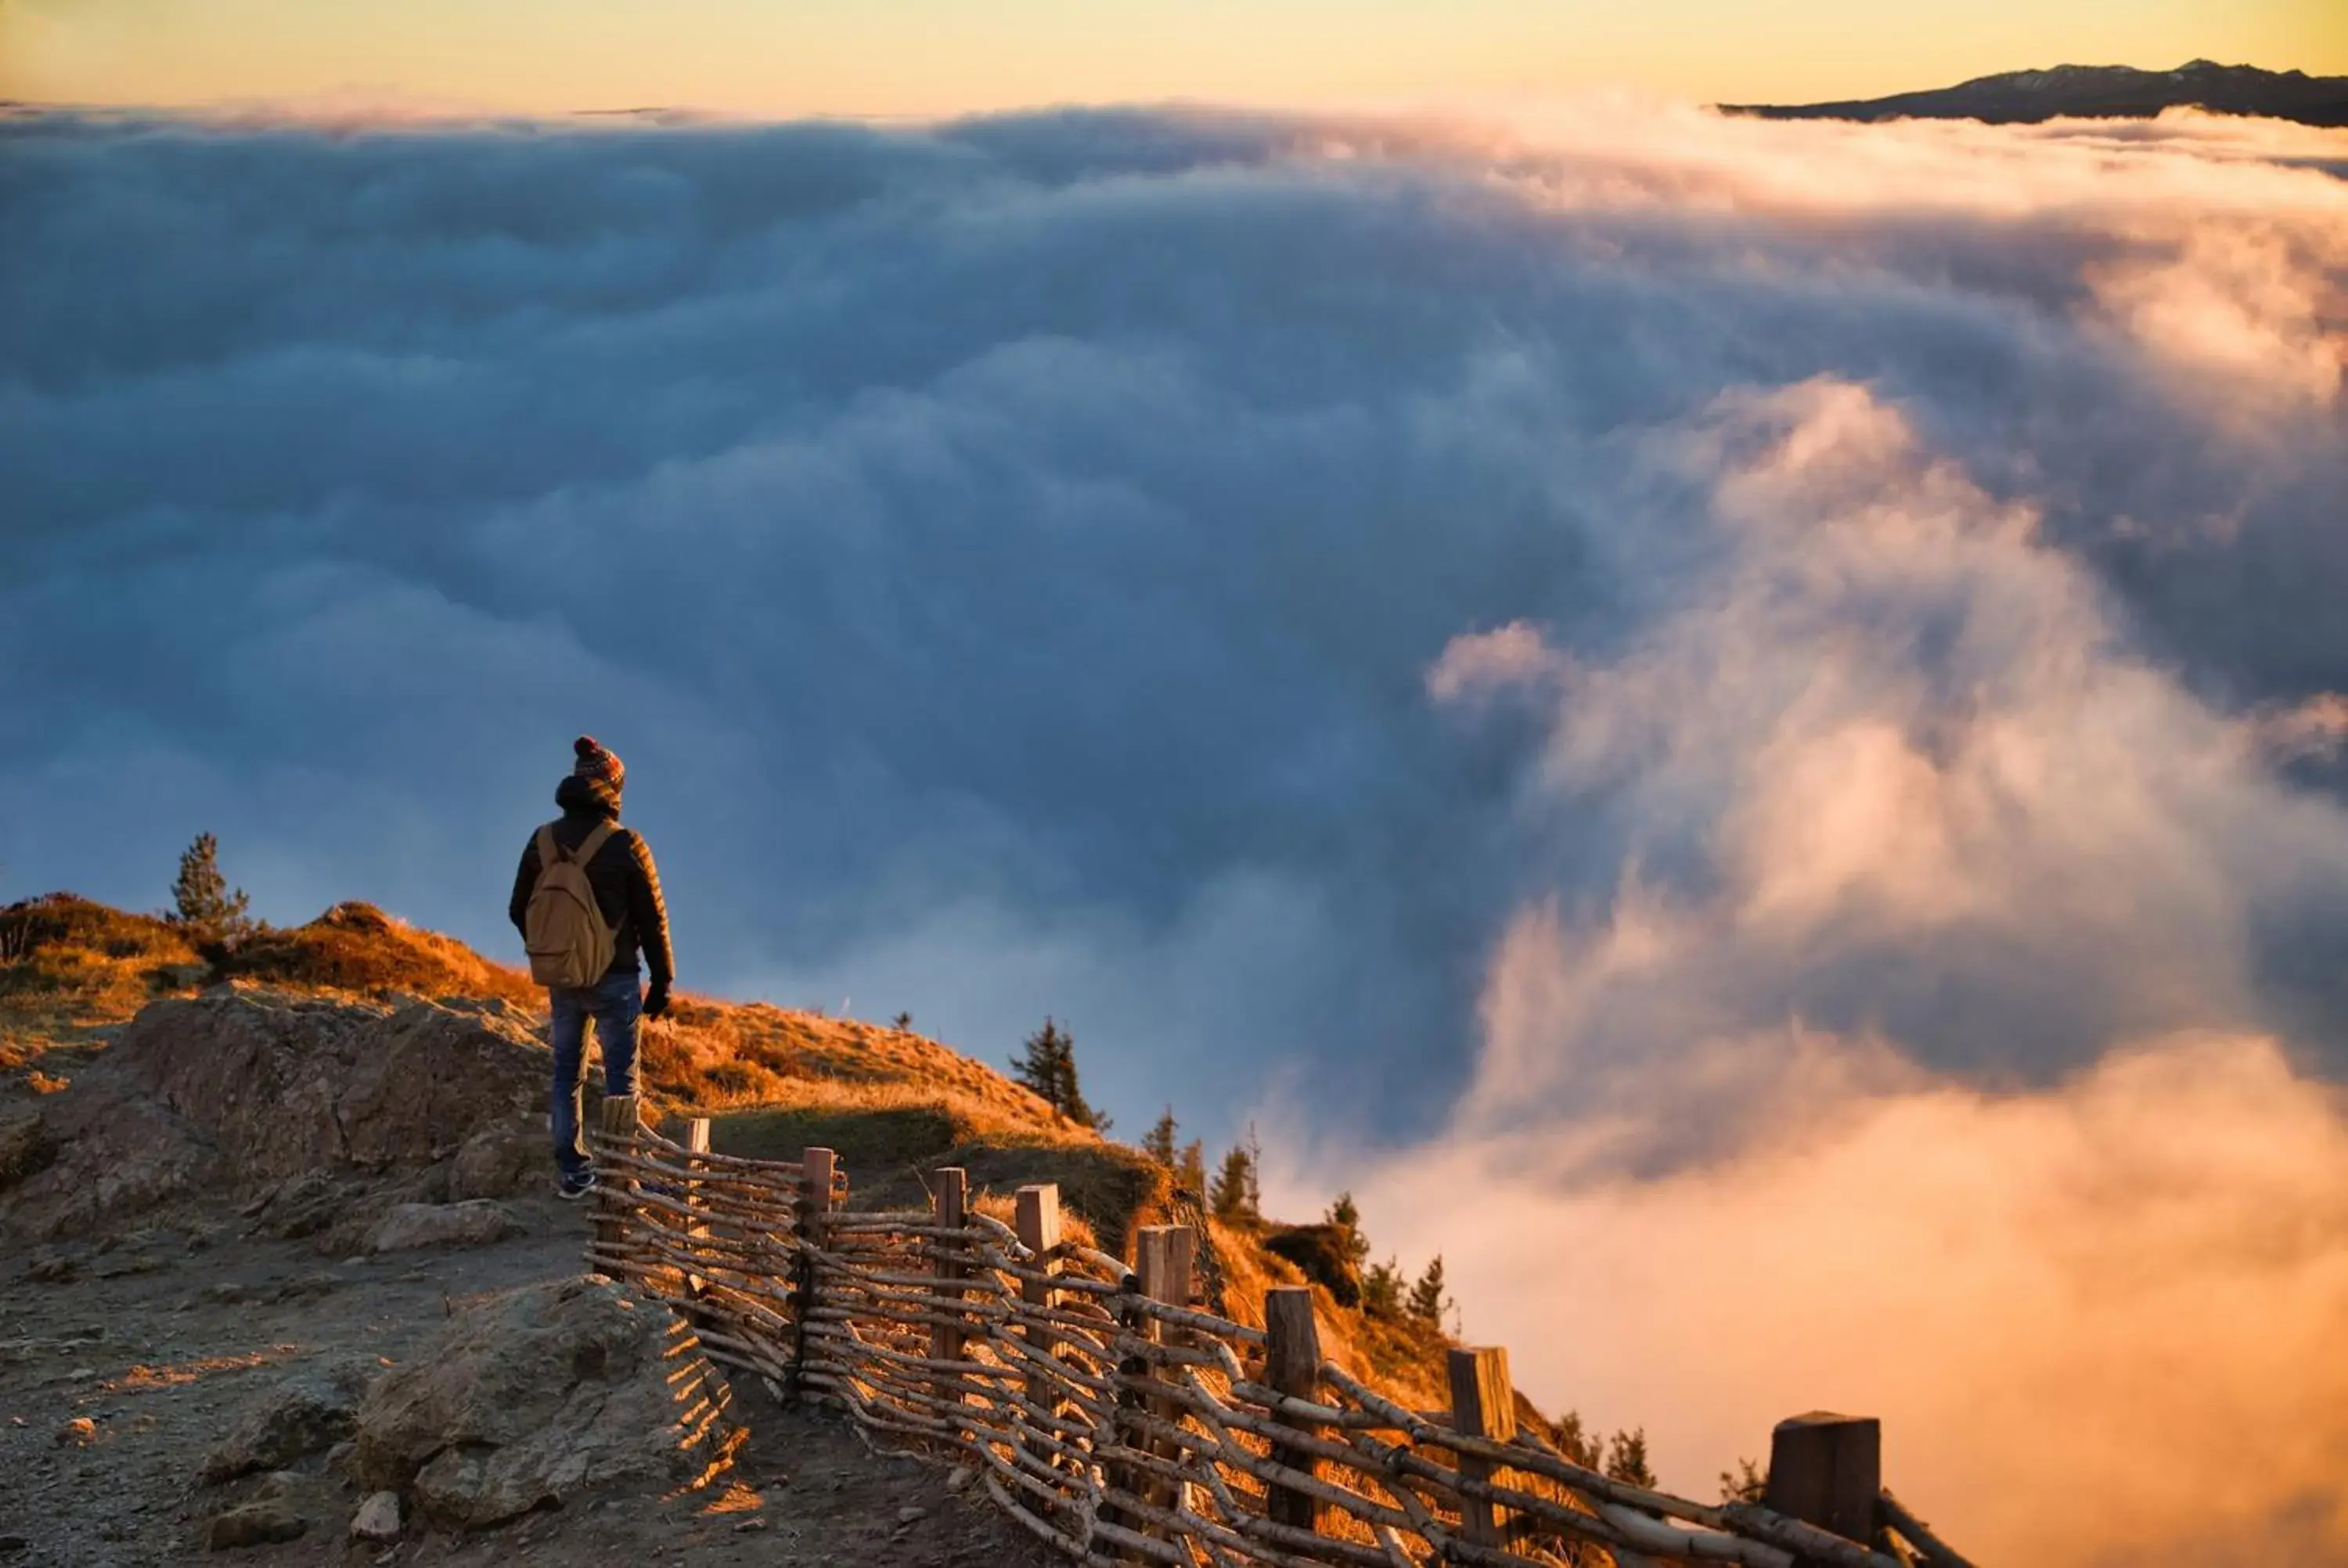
<point>1483,1405</point>
<point>614,1209</point>
<point>1292,1366</point>
<point>696,1144</point>
<point>1828,1469</point>
<point>1168,1267</point>
<point>1036,1218</point>
<point>950,1205</point>
<point>816,1167</point>
<point>818,1170</point>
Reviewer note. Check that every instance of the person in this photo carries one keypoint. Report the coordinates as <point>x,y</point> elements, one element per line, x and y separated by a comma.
<point>627,892</point>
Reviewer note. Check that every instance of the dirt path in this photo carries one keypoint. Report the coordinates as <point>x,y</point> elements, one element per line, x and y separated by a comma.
<point>158,1339</point>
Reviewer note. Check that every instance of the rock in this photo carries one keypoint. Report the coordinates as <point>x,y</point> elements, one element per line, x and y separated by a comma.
<point>27,1145</point>
<point>912,1515</point>
<point>286,1086</point>
<point>307,1205</point>
<point>304,1414</point>
<point>53,1265</point>
<point>960,1477</point>
<point>307,1287</point>
<point>474,1224</point>
<point>236,1087</point>
<point>499,1162</point>
<point>537,1396</point>
<point>377,1519</point>
<point>117,1154</point>
<point>262,1521</point>
<point>78,1432</point>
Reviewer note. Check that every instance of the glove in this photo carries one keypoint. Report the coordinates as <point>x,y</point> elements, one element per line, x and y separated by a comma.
<point>656,1000</point>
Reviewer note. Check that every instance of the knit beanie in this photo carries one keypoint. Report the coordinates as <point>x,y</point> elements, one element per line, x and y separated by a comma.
<point>599,770</point>
<point>595,763</point>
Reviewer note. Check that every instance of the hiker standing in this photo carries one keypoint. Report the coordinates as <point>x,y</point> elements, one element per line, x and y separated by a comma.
<point>586,899</point>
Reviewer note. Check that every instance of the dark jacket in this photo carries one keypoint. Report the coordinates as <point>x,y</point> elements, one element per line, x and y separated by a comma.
<point>627,885</point>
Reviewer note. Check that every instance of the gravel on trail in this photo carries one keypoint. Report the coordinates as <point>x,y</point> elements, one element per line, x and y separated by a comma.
<point>126,1362</point>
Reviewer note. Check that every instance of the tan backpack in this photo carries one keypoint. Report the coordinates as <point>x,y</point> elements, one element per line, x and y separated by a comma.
<point>563,927</point>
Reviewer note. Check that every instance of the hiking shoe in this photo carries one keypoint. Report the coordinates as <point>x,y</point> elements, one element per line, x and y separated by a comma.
<point>575,1186</point>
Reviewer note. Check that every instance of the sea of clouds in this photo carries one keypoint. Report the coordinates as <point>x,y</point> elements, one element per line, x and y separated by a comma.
<point>1737,724</point>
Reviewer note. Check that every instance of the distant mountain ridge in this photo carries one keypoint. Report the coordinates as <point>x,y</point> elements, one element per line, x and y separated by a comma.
<point>2095,92</point>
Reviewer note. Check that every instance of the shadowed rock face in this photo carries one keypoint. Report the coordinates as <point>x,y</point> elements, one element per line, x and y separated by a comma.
<point>237,1090</point>
<point>537,1395</point>
<point>282,1087</point>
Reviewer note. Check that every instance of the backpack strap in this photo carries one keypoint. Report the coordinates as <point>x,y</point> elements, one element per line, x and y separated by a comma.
<point>547,851</point>
<point>593,842</point>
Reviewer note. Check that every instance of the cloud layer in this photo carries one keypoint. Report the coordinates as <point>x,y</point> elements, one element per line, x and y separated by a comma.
<point>1765,694</point>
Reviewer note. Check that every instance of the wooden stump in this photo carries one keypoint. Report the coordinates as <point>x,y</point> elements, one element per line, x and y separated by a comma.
<point>1292,1366</point>
<point>1483,1405</point>
<point>1828,1469</point>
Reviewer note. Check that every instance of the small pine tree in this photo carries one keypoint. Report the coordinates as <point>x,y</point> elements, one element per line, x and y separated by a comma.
<point>1347,1217</point>
<point>1426,1298</point>
<point>1626,1458</point>
<point>1190,1170</point>
<point>1382,1290</point>
<point>1048,1066</point>
<point>201,899</point>
<point>1748,1482</point>
<point>1576,1444</point>
<point>1158,1142</point>
<point>1233,1198</point>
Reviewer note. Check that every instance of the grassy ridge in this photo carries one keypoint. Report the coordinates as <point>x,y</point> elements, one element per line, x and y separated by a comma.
<point>895,1105</point>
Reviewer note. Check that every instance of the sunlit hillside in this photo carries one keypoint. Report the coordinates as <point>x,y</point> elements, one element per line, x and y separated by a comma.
<point>894,1103</point>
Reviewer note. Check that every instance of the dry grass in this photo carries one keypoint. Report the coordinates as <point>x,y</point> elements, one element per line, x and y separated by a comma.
<point>358,947</point>
<point>72,972</point>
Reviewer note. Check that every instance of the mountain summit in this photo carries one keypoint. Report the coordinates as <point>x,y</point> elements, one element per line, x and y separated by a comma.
<point>2096,92</point>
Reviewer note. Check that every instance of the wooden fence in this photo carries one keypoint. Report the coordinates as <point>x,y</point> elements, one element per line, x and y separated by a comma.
<point>1111,1416</point>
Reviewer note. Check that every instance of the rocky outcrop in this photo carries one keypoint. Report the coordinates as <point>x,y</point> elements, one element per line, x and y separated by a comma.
<point>283,1086</point>
<point>409,1226</point>
<point>278,1510</point>
<point>235,1089</point>
<point>538,1396</point>
<point>115,1153</point>
<point>27,1144</point>
<point>302,1415</point>
<point>501,1161</point>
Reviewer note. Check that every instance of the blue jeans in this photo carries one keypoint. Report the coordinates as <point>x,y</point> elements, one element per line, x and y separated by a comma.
<point>615,1004</point>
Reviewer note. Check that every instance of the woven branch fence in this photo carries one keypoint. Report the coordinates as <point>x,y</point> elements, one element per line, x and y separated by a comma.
<point>1117,1420</point>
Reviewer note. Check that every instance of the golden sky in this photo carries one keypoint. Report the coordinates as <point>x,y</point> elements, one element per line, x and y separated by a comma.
<point>875,57</point>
